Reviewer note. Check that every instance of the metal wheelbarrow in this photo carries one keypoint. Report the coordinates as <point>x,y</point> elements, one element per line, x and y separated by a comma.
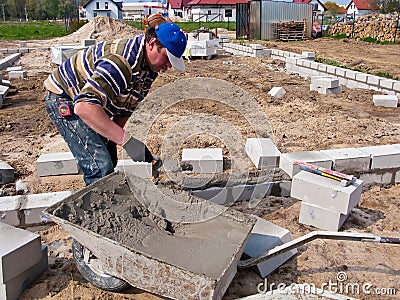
<point>127,231</point>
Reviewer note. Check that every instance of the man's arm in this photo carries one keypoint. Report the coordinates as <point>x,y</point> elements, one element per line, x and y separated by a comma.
<point>96,118</point>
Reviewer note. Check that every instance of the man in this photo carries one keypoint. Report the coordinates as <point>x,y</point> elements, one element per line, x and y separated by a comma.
<point>91,95</point>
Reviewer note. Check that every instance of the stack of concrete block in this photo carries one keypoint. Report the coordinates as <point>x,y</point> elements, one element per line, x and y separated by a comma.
<point>286,162</point>
<point>16,72</point>
<point>348,159</point>
<point>264,237</point>
<point>25,210</point>
<point>277,92</point>
<point>226,195</point>
<point>22,260</point>
<point>140,169</point>
<point>325,85</point>
<point>262,152</point>
<point>384,166</point>
<point>209,160</point>
<point>326,204</point>
<point>6,173</point>
<point>386,100</point>
<point>61,163</point>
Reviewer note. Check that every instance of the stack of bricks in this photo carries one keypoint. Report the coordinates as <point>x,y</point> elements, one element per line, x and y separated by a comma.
<point>326,85</point>
<point>326,203</point>
<point>22,260</point>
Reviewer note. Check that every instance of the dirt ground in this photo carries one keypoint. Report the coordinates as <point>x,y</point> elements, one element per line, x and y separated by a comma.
<point>301,120</point>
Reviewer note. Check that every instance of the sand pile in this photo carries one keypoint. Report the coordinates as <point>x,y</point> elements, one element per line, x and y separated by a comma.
<point>101,29</point>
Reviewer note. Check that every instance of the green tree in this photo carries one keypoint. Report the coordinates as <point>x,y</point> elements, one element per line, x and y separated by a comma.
<point>388,6</point>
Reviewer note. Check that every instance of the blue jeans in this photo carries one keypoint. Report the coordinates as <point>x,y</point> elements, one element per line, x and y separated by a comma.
<point>88,147</point>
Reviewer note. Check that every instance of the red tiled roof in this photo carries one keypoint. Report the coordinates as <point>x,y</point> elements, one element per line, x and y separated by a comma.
<point>178,4</point>
<point>216,2</point>
<point>302,1</point>
<point>364,4</point>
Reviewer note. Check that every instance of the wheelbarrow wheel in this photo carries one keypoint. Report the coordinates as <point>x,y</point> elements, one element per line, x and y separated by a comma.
<point>95,276</point>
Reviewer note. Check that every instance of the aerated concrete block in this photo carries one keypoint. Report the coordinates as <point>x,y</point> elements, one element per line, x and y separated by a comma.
<point>266,236</point>
<point>308,55</point>
<point>325,90</point>
<point>348,159</point>
<point>262,152</point>
<point>35,204</point>
<point>6,173</point>
<point>374,178</point>
<point>137,168</point>
<point>243,192</point>
<point>13,288</point>
<point>320,217</point>
<point>208,160</point>
<point>277,92</point>
<point>9,207</point>
<point>17,74</point>
<point>385,100</point>
<point>286,162</point>
<point>326,192</point>
<point>326,82</point>
<point>16,68</point>
<point>19,250</point>
<point>383,157</point>
<point>60,163</point>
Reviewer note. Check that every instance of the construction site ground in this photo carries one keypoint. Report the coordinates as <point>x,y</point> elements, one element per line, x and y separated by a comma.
<point>300,121</point>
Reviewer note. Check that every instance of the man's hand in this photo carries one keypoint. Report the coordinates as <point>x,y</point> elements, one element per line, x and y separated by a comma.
<point>137,150</point>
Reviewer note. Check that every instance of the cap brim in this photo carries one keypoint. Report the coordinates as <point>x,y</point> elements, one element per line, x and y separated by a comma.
<point>176,62</point>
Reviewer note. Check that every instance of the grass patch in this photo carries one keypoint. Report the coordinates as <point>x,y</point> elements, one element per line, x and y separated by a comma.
<point>339,36</point>
<point>32,30</point>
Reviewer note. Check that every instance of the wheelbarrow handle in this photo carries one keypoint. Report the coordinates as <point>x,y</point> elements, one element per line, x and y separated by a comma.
<point>331,235</point>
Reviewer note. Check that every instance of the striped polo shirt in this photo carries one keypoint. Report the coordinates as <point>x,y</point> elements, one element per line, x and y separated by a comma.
<point>112,74</point>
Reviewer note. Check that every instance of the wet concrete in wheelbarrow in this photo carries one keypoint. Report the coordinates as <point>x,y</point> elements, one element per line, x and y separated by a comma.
<point>109,209</point>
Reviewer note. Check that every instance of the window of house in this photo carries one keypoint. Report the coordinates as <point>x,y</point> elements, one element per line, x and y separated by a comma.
<point>97,5</point>
<point>108,15</point>
<point>106,5</point>
<point>209,12</point>
<point>95,15</point>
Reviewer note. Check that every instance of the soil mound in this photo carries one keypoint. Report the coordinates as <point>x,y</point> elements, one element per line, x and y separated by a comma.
<point>101,29</point>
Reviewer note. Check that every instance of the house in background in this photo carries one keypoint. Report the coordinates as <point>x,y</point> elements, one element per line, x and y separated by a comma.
<point>213,10</point>
<point>137,10</point>
<point>362,7</point>
<point>105,8</point>
<point>318,7</point>
<point>178,8</point>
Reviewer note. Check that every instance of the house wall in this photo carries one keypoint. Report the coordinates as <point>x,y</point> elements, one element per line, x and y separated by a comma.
<point>352,9</point>
<point>215,13</point>
<point>138,10</point>
<point>98,8</point>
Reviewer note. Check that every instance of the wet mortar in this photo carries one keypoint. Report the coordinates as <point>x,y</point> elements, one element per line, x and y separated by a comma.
<point>109,209</point>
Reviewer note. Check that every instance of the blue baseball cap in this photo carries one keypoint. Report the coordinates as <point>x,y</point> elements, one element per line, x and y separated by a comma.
<point>174,40</point>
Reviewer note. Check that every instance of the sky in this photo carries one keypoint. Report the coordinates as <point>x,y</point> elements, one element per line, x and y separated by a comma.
<point>339,2</point>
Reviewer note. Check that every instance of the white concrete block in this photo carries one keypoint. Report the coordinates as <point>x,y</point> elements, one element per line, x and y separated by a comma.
<point>207,160</point>
<point>12,289</point>
<point>262,152</point>
<point>331,69</point>
<point>324,90</point>
<point>375,178</point>
<point>266,236</point>
<point>285,187</point>
<point>327,82</point>
<point>35,204</point>
<point>286,162</point>
<point>277,92</point>
<point>348,159</point>
<point>56,164</point>
<point>397,177</point>
<point>6,173</point>
<point>350,74</point>
<point>361,77</point>
<point>140,169</point>
<point>19,250</point>
<point>386,83</point>
<point>396,86</point>
<point>385,100</point>
<point>225,195</point>
<point>383,157</point>
<point>340,72</point>
<point>16,68</point>
<point>374,80</point>
<point>321,218</point>
<point>17,74</point>
<point>5,83</point>
<point>326,192</point>
<point>9,207</point>
<point>308,55</point>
